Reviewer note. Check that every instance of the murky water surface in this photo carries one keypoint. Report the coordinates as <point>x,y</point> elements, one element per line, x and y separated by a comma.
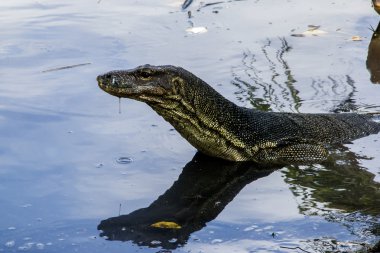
<point>70,162</point>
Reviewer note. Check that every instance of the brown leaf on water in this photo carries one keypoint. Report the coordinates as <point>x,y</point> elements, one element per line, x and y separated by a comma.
<point>166,225</point>
<point>313,27</point>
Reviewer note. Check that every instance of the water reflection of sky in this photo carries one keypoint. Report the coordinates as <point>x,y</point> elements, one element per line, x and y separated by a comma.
<point>60,135</point>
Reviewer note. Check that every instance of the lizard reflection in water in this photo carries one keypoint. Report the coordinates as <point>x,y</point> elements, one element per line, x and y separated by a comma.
<point>219,128</point>
<point>206,185</point>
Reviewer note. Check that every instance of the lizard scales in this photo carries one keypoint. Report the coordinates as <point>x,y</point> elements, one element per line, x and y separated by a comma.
<point>220,128</point>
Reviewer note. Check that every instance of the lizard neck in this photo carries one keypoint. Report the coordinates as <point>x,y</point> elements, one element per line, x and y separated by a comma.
<point>203,117</point>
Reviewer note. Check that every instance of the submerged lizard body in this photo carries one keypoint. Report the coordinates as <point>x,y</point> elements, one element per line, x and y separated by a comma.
<point>220,128</point>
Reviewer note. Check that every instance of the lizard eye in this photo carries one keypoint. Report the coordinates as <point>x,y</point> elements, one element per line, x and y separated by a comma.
<point>144,74</point>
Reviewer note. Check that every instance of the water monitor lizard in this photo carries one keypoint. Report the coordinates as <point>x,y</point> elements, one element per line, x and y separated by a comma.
<point>220,128</point>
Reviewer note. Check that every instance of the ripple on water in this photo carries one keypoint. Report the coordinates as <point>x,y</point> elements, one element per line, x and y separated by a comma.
<point>124,160</point>
<point>10,244</point>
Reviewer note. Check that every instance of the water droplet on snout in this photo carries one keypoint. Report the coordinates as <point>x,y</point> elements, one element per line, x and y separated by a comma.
<point>124,160</point>
<point>119,105</point>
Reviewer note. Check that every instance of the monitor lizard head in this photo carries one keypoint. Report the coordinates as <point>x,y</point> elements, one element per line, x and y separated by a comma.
<point>147,83</point>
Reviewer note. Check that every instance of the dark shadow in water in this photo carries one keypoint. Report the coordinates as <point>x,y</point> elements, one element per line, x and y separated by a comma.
<point>338,190</point>
<point>204,188</point>
<point>340,182</point>
<point>373,58</point>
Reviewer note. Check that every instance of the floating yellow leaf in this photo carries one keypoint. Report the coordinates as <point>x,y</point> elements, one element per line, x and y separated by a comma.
<point>166,224</point>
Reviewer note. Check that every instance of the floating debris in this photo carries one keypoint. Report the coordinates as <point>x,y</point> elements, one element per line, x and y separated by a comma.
<point>356,38</point>
<point>124,160</point>
<point>186,4</point>
<point>297,35</point>
<point>313,27</point>
<point>312,30</point>
<point>203,5</point>
<point>166,225</point>
<point>197,29</point>
<point>67,67</point>
<point>155,242</point>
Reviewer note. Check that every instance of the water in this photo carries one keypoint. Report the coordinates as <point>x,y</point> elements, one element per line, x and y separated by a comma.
<point>61,136</point>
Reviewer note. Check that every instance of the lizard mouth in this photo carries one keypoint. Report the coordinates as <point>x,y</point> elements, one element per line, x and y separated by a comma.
<point>129,89</point>
<point>104,84</point>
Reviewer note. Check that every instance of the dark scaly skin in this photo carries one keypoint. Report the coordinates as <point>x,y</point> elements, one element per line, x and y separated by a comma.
<point>218,127</point>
